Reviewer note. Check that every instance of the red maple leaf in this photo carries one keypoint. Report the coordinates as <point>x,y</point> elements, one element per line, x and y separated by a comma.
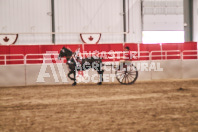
<point>90,38</point>
<point>6,39</point>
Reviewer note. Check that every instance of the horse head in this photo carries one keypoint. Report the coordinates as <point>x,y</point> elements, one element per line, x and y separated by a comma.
<point>64,52</point>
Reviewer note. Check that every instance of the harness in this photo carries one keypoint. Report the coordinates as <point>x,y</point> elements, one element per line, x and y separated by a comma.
<point>74,57</point>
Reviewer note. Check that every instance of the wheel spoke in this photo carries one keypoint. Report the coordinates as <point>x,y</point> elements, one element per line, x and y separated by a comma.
<point>120,72</point>
<point>132,78</point>
<point>132,73</point>
<point>124,78</point>
<point>128,79</point>
<point>121,77</point>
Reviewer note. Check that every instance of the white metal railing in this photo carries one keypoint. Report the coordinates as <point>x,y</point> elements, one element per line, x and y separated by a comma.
<point>5,59</point>
<point>190,55</point>
<point>164,53</point>
<point>160,55</point>
<point>42,57</point>
<point>144,56</point>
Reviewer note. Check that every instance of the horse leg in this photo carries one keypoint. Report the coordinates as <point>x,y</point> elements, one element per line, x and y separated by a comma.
<point>71,72</point>
<point>100,72</point>
<point>74,78</point>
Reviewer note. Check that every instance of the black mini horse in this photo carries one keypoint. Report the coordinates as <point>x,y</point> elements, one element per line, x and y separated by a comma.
<point>87,63</point>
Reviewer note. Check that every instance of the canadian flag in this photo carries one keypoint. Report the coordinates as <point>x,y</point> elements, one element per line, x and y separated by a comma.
<point>90,38</point>
<point>8,39</point>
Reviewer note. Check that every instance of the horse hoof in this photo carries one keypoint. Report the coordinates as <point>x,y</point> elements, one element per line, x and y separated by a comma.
<point>100,83</point>
<point>74,84</point>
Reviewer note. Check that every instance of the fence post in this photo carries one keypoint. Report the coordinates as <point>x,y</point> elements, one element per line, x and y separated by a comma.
<point>5,60</point>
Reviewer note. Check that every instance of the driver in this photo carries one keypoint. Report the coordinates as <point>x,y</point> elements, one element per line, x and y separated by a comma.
<point>126,58</point>
<point>127,54</point>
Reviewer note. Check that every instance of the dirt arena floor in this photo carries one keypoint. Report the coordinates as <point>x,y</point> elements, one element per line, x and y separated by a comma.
<point>147,106</point>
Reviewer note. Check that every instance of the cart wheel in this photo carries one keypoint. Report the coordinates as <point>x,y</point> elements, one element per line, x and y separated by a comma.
<point>127,75</point>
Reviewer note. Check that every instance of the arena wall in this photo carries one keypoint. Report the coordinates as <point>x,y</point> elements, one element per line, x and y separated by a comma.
<point>12,75</point>
<point>189,69</point>
<point>23,75</point>
<point>178,60</point>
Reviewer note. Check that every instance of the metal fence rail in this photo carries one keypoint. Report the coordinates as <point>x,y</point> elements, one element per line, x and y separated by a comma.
<point>190,53</point>
<point>165,53</point>
<point>5,59</point>
<point>112,56</point>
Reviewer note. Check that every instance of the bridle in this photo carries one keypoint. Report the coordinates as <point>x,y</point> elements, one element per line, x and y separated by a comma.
<point>69,58</point>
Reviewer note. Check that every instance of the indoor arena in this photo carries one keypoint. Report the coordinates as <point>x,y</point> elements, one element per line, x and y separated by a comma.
<point>99,65</point>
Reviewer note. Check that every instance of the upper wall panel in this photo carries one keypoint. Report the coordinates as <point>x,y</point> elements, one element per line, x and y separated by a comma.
<point>162,15</point>
<point>89,15</point>
<point>25,16</point>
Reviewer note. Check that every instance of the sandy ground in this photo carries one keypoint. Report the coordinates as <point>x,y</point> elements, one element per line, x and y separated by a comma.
<point>142,107</point>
